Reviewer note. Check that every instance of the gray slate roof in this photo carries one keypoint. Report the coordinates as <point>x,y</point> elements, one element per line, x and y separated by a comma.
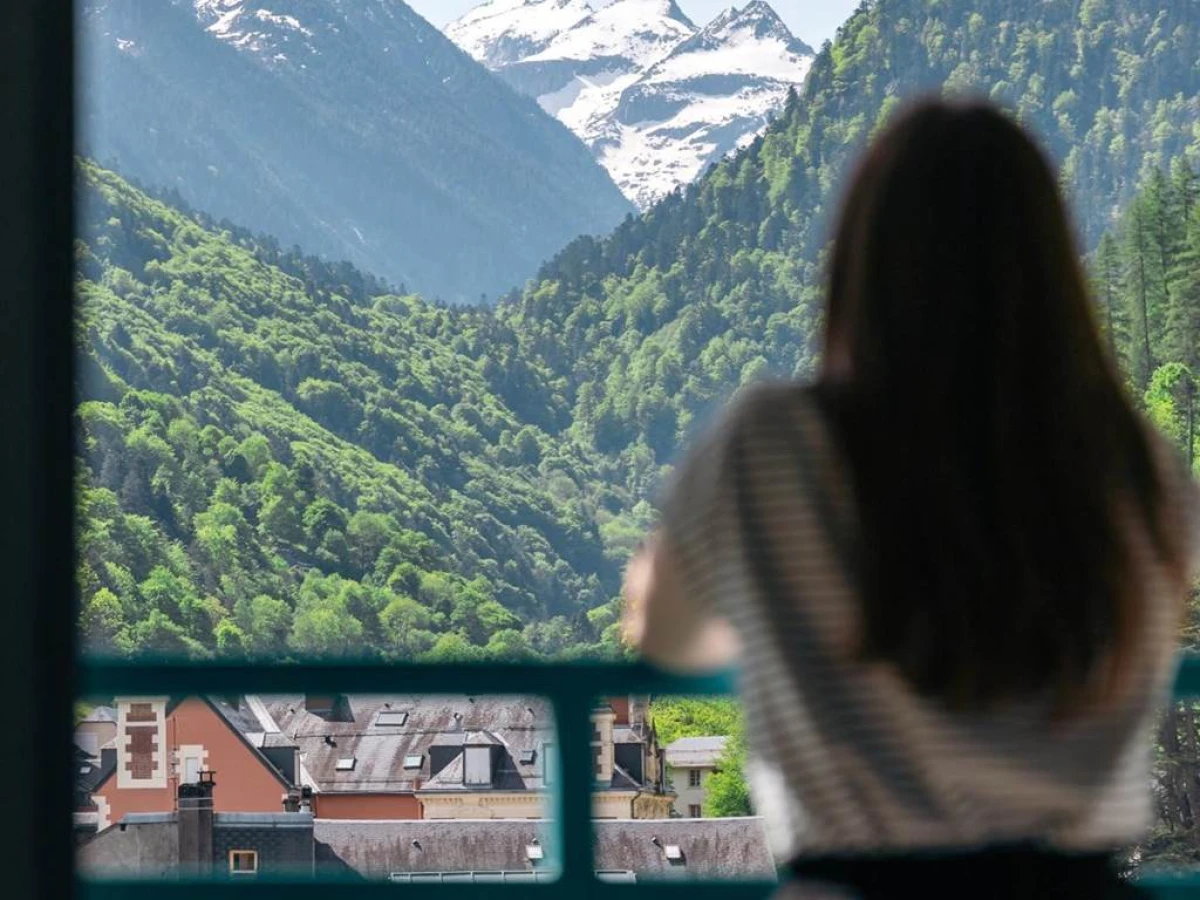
<point>90,774</point>
<point>513,723</point>
<point>692,752</point>
<point>711,848</point>
<point>101,714</point>
<point>436,729</point>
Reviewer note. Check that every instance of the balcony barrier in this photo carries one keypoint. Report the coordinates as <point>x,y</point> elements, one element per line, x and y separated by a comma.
<point>571,688</point>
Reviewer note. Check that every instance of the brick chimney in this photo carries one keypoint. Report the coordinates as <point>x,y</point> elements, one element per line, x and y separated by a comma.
<point>196,827</point>
<point>620,707</point>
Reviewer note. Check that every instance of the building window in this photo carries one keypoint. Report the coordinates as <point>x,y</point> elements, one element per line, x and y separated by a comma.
<point>243,862</point>
<point>694,811</point>
<point>191,770</point>
<point>596,736</point>
<point>477,768</point>
<point>693,778</point>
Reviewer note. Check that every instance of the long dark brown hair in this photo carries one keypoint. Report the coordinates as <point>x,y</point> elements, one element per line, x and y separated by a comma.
<point>996,459</point>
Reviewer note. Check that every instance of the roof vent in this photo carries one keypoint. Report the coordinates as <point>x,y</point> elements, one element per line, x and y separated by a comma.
<point>346,764</point>
<point>534,851</point>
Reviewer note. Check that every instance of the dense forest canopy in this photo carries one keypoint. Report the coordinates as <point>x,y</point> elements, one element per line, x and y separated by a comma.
<point>283,457</point>
<point>278,458</point>
<point>721,283</point>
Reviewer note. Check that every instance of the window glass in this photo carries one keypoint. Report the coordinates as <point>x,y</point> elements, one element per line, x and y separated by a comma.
<point>243,862</point>
<point>478,765</point>
<point>395,319</point>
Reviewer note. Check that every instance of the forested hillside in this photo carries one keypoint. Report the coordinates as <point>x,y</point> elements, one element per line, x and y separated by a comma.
<point>720,283</point>
<point>280,457</point>
<point>1147,282</point>
<point>1146,271</point>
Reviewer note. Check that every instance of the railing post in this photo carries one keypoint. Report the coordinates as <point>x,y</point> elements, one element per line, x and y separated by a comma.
<point>573,797</point>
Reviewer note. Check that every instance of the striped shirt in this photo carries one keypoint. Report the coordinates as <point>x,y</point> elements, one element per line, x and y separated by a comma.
<point>845,757</point>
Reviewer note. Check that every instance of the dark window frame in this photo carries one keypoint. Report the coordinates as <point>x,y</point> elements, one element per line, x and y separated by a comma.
<point>40,665</point>
<point>37,229</point>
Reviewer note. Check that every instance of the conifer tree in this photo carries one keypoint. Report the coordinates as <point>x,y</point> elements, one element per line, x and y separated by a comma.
<point>1113,310</point>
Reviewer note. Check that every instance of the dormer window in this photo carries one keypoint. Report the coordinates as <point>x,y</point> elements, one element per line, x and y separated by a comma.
<point>477,766</point>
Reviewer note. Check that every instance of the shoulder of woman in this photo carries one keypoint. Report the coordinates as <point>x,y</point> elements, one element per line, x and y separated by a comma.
<point>765,401</point>
<point>1171,464</point>
<point>707,458</point>
<point>1180,490</point>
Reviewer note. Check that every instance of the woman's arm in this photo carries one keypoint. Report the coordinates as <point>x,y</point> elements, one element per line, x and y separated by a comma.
<point>666,625</point>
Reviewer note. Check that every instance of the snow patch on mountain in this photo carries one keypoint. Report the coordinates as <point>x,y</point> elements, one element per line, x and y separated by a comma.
<point>505,31</point>
<point>247,26</point>
<point>636,31</point>
<point>655,98</point>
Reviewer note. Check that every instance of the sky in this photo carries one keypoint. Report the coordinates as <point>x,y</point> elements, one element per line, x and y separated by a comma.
<point>813,21</point>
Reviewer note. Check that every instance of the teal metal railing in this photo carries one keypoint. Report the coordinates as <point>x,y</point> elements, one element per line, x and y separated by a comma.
<point>571,688</point>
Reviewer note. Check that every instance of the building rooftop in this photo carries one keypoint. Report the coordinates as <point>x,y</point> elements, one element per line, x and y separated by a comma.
<point>696,752</point>
<point>383,752</point>
<point>401,743</point>
<point>101,714</point>
<point>260,820</point>
<point>707,848</point>
<point>91,772</point>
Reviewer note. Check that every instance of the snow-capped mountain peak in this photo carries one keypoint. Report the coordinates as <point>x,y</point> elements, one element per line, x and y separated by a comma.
<point>753,41</point>
<point>656,98</point>
<point>757,17</point>
<point>251,26</point>
<point>636,31</point>
<point>500,32</point>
